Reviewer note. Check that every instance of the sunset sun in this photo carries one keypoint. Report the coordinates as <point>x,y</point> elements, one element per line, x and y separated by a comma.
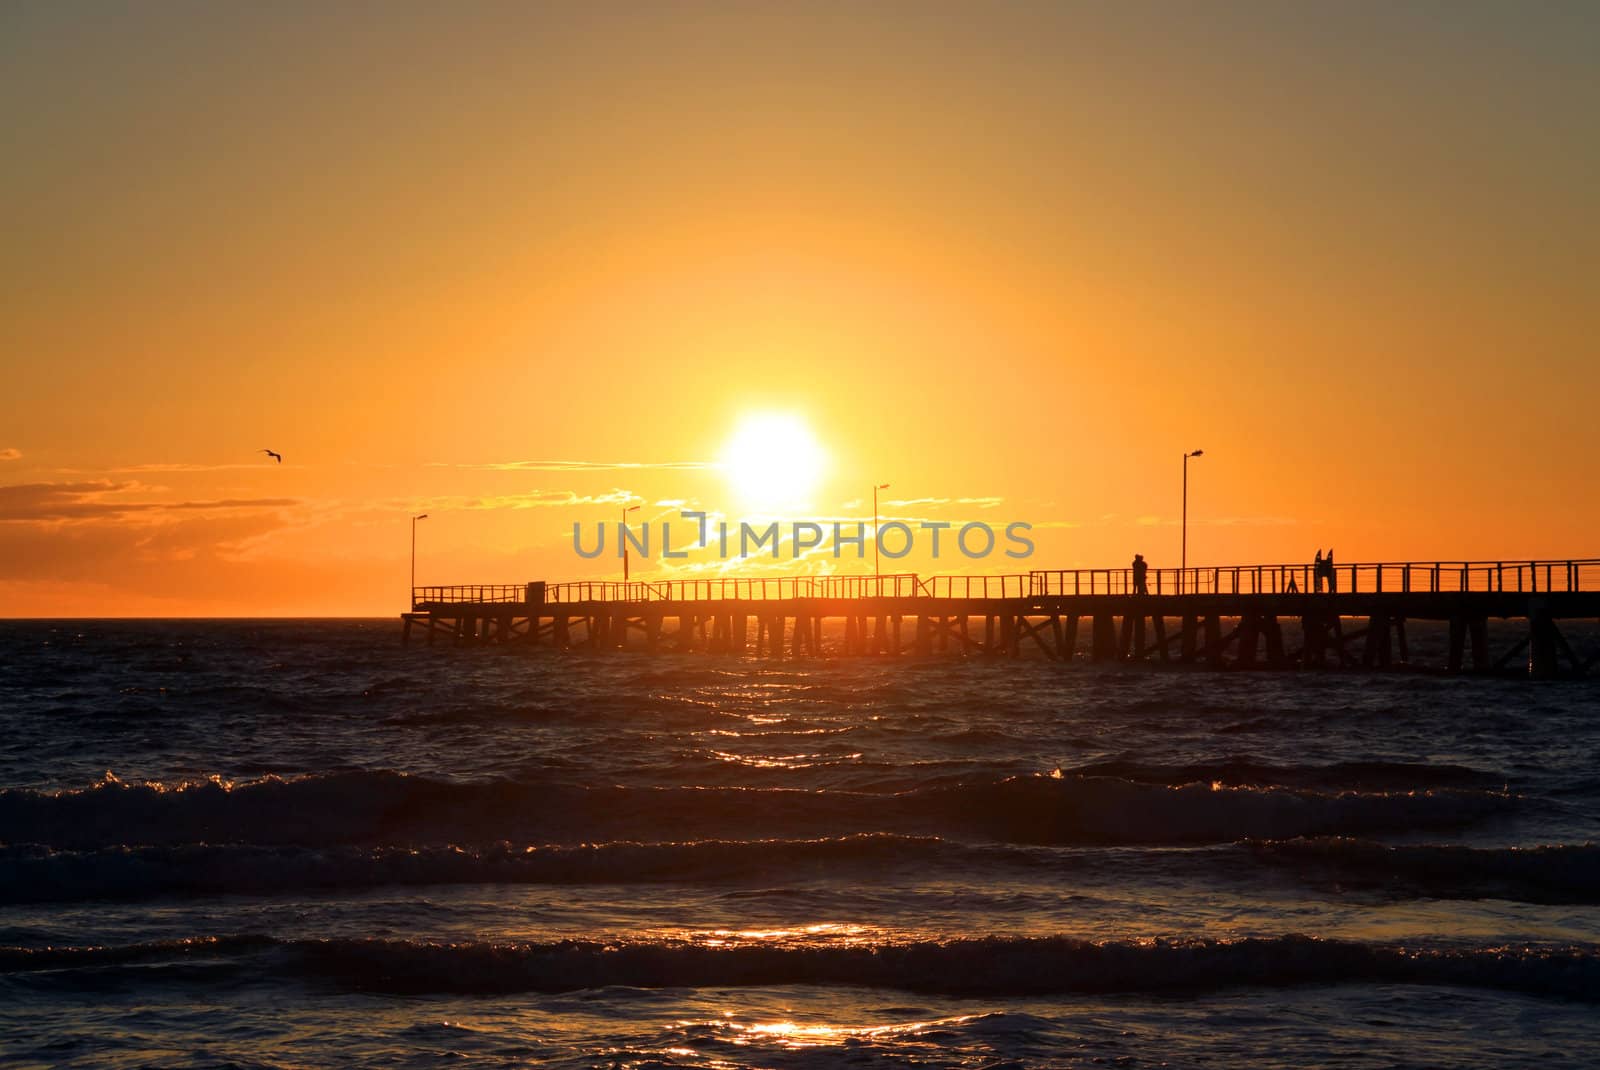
<point>773,459</point>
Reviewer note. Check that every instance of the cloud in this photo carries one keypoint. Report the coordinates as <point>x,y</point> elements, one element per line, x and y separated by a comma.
<point>10,453</point>
<point>981,503</point>
<point>116,552</point>
<point>579,466</point>
<point>96,500</point>
<point>180,466</point>
<point>533,499</point>
<point>1218,522</point>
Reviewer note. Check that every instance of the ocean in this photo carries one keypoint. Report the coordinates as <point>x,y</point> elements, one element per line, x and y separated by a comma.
<point>297,844</point>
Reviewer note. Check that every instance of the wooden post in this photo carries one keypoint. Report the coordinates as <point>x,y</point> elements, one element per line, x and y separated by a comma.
<point>1103,643</point>
<point>1478,629</point>
<point>1214,640</point>
<point>1377,654</point>
<point>1249,638</point>
<point>1274,633</point>
<point>1542,663</point>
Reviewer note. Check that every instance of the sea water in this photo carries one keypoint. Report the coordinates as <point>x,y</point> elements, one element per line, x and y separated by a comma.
<point>297,844</point>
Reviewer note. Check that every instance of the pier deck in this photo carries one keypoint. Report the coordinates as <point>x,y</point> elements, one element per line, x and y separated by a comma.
<point>1256,616</point>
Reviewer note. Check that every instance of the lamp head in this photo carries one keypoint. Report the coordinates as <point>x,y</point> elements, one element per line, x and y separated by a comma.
<point>420,516</point>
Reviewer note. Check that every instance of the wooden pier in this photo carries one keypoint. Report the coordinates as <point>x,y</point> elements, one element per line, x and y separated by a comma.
<point>1245,617</point>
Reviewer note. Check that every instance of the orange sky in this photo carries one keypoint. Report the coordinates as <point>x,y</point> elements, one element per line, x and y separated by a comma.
<point>515,266</point>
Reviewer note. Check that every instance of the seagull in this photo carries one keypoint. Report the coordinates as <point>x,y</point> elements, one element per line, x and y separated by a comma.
<point>275,456</point>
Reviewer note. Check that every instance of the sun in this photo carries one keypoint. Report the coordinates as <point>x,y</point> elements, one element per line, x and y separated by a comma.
<point>772,459</point>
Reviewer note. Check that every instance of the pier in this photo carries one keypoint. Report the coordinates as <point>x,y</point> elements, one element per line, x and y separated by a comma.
<point>1238,617</point>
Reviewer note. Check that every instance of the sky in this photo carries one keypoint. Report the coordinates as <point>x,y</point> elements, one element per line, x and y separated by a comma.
<point>521,266</point>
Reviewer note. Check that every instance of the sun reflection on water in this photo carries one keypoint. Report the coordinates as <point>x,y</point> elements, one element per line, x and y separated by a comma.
<point>784,761</point>
<point>788,1033</point>
<point>833,934</point>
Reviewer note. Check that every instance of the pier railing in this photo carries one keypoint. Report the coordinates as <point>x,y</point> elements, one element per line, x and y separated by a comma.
<point>1437,577</point>
<point>746,589</point>
<point>1427,577</point>
<point>470,592</point>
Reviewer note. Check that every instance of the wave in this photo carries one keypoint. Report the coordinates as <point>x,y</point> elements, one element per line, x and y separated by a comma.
<point>1552,874</point>
<point>395,808</point>
<point>33,874</point>
<point>1248,771</point>
<point>988,967</point>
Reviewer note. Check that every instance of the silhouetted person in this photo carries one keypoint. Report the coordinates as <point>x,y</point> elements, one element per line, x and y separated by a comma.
<point>1333,577</point>
<point>1316,574</point>
<point>1140,568</point>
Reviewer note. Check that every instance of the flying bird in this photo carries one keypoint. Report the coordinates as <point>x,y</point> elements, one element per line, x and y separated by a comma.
<point>275,456</point>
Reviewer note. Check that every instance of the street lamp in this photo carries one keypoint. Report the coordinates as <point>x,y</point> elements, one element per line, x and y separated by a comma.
<point>875,490</point>
<point>419,516</point>
<point>624,541</point>
<point>1183,552</point>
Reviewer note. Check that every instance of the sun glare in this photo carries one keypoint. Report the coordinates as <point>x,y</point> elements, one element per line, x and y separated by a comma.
<point>773,459</point>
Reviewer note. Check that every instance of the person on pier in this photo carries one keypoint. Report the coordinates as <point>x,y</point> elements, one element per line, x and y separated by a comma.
<point>1140,570</point>
<point>1333,577</point>
<point>1316,573</point>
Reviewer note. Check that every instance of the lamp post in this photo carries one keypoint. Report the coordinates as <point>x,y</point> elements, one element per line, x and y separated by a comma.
<point>875,490</point>
<point>1183,551</point>
<point>624,541</point>
<point>419,516</point>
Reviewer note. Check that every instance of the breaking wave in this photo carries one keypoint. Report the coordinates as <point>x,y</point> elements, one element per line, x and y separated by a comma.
<point>33,873</point>
<point>986,967</point>
<point>380,807</point>
<point>1557,873</point>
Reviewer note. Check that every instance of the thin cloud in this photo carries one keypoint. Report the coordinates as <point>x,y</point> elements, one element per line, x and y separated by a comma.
<point>534,499</point>
<point>981,503</point>
<point>579,466</point>
<point>94,499</point>
<point>1218,521</point>
<point>10,453</point>
<point>181,466</point>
